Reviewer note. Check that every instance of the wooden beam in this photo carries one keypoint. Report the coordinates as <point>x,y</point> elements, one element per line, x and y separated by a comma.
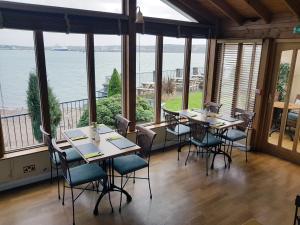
<point>131,63</point>
<point>158,77</point>
<point>228,11</point>
<point>260,9</point>
<point>2,146</point>
<point>192,9</point>
<point>210,81</point>
<point>91,83</point>
<point>42,79</point>
<point>294,7</point>
<point>187,68</point>
<point>124,45</point>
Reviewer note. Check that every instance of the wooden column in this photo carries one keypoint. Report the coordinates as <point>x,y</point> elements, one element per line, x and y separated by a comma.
<point>131,63</point>
<point>158,77</point>
<point>125,72</point>
<point>186,74</point>
<point>2,147</point>
<point>211,62</point>
<point>42,79</point>
<point>91,84</point>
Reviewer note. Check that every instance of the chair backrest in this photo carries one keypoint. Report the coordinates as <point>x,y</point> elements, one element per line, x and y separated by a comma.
<point>245,116</point>
<point>212,107</point>
<point>199,130</point>
<point>63,160</point>
<point>171,119</point>
<point>47,138</point>
<point>145,138</point>
<point>122,125</point>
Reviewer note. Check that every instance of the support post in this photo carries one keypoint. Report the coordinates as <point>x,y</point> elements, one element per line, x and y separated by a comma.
<point>91,84</point>
<point>158,77</point>
<point>186,73</point>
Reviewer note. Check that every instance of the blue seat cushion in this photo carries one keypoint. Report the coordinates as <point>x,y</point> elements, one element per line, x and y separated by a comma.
<point>72,156</point>
<point>234,135</point>
<point>293,116</point>
<point>85,173</point>
<point>129,163</point>
<point>180,129</point>
<point>208,141</point>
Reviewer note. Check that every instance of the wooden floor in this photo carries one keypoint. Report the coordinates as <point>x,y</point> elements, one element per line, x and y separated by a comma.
<point>264,189</point>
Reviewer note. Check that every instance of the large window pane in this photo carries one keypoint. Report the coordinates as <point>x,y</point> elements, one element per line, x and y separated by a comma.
<point>173,59</point>
<point>67,79</point>
<point>114,6</point>
<point>20,123</point>
<point>197,78</point>
<point>145,79</point>
<point>108,78</point>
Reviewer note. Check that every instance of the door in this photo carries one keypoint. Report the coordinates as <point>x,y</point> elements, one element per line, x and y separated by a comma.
<point>283,109</point>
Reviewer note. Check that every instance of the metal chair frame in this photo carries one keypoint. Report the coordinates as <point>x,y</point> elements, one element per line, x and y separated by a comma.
<point>172,120</point>
<point>122,124</point>
<point>68,178</point>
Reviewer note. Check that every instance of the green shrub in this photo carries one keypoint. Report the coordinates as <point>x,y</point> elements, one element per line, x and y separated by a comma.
<point>33,104</point>
<point>108,108</point>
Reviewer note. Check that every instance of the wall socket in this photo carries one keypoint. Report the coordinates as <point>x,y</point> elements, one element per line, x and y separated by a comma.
<point>29,168</point>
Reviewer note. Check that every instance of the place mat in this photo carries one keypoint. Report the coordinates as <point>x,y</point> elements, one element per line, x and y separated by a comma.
<point>188,114</point>
<point>252,222</point>
<point>103,129</point>
<point>228,118</point>
<point>75,134</point>
<point>89,150</point>
<point>199,110</point>
<point>121,142</point>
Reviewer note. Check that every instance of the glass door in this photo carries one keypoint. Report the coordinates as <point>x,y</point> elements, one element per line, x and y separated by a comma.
<point>284,100</point>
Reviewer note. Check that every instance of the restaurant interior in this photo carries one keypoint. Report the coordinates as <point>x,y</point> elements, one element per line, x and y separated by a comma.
<point>214,141</point>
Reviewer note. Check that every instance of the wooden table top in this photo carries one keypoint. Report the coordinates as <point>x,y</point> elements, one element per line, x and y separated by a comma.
<point>109,150</point>
<point>291,106</point>
<point>212,117</point>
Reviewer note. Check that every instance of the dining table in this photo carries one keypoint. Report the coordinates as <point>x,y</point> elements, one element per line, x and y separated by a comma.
<point>103,149</point>
<point>217,122</point>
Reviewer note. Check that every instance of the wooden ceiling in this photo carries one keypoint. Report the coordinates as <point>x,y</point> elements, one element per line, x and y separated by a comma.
<point>238,12</point>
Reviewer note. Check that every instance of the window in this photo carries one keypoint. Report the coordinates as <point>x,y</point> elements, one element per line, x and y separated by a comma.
<point>237,72</point>
<point>114,6</point>
<point>172,76</point>
<point>145,78</point>
<point>160,9</point>
<point>108,78</point>
<point>67,79</point>
<point>17,69</point>
<point>197,73</point>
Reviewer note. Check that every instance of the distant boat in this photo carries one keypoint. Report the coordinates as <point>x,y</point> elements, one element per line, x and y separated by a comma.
<point>60,49</point>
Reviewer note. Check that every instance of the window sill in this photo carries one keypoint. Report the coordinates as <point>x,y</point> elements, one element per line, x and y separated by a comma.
<point>30,151</point>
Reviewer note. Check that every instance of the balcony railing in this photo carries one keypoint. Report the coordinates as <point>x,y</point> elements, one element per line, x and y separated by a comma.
<point>18,130</point>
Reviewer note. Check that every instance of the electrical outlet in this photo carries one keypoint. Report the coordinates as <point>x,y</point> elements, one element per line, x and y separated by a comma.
<point>29,168</point>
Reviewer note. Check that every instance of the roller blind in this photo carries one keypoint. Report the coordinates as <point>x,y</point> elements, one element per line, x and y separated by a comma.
<point>236,74</point>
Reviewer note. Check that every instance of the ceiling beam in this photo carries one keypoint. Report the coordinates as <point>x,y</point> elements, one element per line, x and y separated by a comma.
<point>192,9</point>
<point>228,11</point>
<point>294,6</point>
<point>260,9</point>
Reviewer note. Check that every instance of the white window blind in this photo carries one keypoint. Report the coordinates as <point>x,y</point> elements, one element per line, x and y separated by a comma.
<point>237,72</point>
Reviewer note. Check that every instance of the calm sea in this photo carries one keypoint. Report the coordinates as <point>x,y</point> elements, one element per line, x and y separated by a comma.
<point>66,72</point>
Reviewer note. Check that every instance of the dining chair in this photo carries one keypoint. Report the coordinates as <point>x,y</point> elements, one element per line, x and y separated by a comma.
<point>71,155</point>
<point>292,118</point>
<point>241,131</point>
<point>129,164</point>
<point>202,138</point>
<point>175,128</point>
<point>122,124</point>
<point>296,217</point>
<point>79,175</point>
<point>212,107</point>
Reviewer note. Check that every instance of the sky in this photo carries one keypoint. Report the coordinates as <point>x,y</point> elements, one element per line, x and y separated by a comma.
<point>153,8</point>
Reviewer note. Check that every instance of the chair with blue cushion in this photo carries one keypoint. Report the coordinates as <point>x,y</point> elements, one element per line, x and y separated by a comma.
<point>174,128</point>
<point>122,124</point>
<point>79,175</point>
<point>129,164</point>
<point>202,138</point>
<point>71,154</point>
<point>241,131</point>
